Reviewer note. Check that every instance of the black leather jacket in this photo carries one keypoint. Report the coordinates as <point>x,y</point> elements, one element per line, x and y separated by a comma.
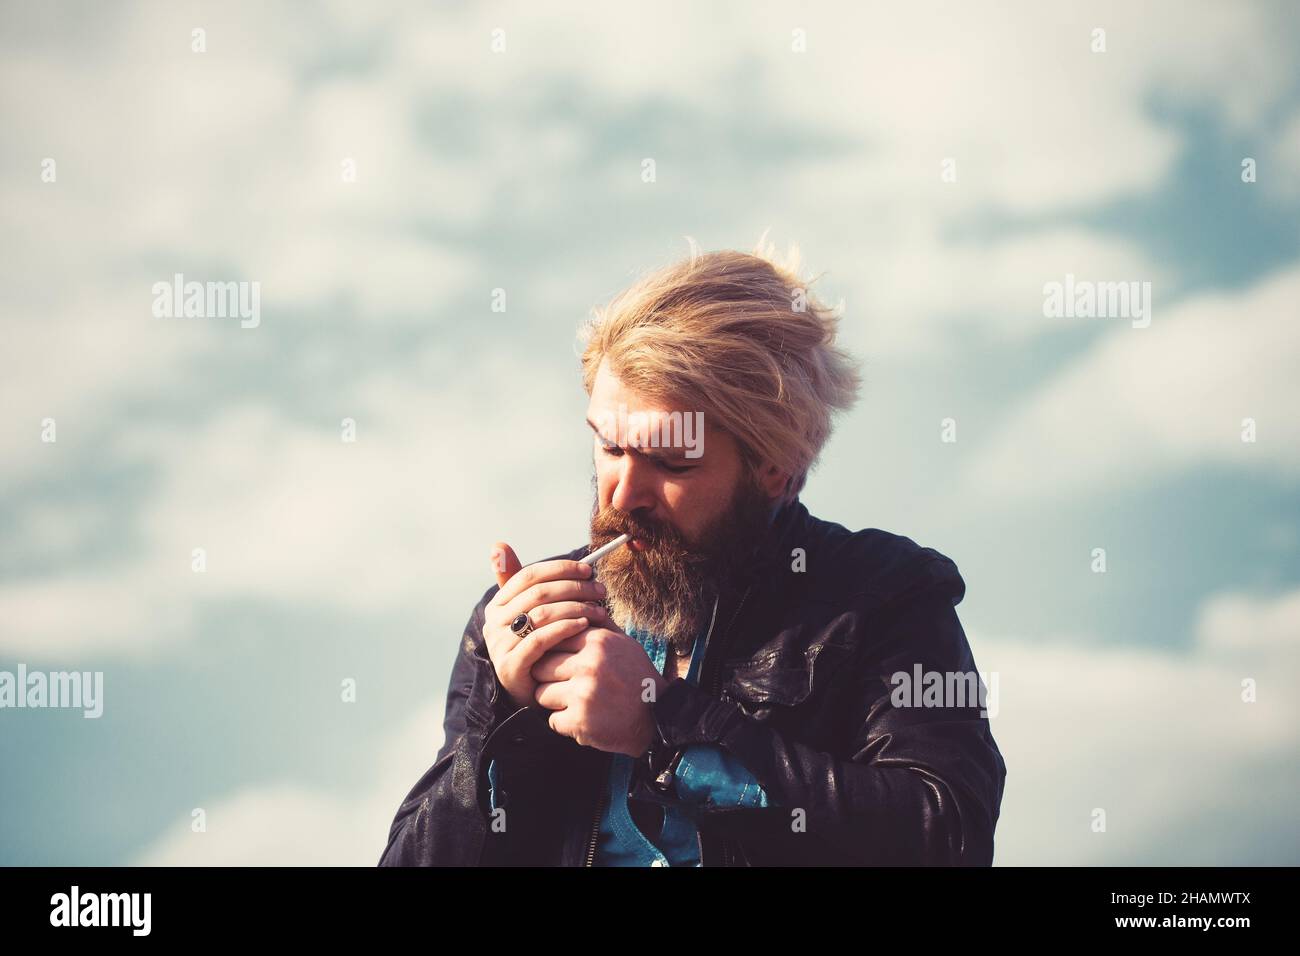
<point>795,683</point>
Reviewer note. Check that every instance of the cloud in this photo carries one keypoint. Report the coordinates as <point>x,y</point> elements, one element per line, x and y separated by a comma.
<point>919,289</point>
<point>1186,772</point>
<point>287,512</point>
<point>1142,403</point>
<point>74,363</point>
<point>1243,624</point>
<point>64,617</point>
<point>287,824</point>
<point>1284,151</point>
<point>147,185</point>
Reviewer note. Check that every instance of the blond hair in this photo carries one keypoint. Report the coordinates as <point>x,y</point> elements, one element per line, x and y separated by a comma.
<point>738,337</point>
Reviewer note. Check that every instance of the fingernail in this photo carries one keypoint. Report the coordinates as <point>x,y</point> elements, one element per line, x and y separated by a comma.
<point>600,589</point>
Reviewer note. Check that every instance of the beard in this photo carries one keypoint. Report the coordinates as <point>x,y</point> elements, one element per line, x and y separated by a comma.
<point>668,589</point>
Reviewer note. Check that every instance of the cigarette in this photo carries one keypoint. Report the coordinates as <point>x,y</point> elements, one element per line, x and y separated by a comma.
<point>603,550</point>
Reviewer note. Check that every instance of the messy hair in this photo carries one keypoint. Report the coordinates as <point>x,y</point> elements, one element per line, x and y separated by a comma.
<point>738,337</point>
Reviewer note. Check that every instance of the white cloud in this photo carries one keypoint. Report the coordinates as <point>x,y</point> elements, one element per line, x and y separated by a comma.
<point>1079,131</point>
<point>230,159</point>
<point>66,616</point>
<point>916,289</point>
<point>287,824</point>
<point>1243,624</point>
<point>75,361</point>
<point>288,512</point>
<point>1161,741</point>
<point>1144,402</point>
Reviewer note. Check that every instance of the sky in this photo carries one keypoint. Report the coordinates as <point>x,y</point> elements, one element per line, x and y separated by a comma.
<point>388,173</point>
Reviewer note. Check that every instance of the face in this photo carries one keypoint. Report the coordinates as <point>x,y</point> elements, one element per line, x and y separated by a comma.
<point>680,487</point>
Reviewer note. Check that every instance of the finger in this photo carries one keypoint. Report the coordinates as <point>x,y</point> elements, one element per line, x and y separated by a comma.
<point>533,574</point>
<point>505,563</point>
<point>554,695</point>
<point>561,722</point>
<point>531,648</point>
<point>501,639</point>
<point>553,666</point>
<point>553,592</point>
<point>544,614</point>
<point>571,645</point>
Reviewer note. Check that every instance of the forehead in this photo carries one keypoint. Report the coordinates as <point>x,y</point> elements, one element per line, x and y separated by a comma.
<point>613,403</point>
<point>608,392</point>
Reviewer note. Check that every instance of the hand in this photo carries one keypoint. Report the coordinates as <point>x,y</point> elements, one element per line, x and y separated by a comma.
<point>558,596</point>
<point>601,688</point>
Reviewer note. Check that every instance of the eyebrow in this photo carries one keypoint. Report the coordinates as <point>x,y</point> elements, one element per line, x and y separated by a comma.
<point>650,453</point>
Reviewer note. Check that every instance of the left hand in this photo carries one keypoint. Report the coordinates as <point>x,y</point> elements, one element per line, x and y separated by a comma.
<point>598,685</point>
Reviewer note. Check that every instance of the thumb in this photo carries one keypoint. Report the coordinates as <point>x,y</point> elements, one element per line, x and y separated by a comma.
<point>505,563</point>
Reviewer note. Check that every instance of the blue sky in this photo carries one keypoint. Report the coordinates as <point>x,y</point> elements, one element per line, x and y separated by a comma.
<point>522,170</point>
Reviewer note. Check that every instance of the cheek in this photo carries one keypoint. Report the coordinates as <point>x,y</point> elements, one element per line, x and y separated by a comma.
<point>683,506</point>
<point>606,482</point>
<point>678,499</point>
<point>694,505</point>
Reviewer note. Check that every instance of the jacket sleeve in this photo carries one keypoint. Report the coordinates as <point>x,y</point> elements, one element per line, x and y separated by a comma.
<point>441,821</point>
<point>917,785</point>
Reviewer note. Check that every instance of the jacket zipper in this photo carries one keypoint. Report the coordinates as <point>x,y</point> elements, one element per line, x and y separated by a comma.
<point>600,810</point>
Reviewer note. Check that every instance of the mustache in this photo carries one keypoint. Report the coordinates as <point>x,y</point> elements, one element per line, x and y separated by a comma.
<point>609,524</point>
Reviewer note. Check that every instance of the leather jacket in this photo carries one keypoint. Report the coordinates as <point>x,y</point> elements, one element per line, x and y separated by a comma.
<point>796,682</point>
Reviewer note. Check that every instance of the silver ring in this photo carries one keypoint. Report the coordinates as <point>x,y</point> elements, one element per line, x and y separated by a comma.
<point>522,625</point>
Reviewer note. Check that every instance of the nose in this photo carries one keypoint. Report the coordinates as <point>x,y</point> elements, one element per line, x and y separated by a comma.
<point>633,491</point>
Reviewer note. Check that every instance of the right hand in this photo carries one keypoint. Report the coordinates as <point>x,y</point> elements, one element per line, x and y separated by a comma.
<point>558,596</point>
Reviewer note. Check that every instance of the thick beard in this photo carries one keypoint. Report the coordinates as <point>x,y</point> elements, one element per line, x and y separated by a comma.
<point>668,589</point>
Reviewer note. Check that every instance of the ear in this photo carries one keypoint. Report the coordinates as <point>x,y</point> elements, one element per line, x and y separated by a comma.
<point>772,480</point>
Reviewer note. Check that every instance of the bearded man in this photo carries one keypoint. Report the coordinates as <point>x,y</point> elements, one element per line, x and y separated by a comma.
<point>721,690</point>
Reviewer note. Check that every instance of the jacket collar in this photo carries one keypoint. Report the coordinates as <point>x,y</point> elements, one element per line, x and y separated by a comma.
<point>773,552</point>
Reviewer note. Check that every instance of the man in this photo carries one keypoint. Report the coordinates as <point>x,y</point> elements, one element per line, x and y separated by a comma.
<point>728,688</point>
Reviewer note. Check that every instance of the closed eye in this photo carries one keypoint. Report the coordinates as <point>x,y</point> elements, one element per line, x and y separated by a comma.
<point>614,451</point>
